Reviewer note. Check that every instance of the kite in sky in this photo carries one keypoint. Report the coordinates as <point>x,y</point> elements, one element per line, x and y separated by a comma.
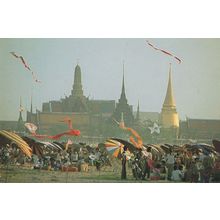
<point>26,66</point>
<point>155,128</point>
<point>71,132</point>
<point>32,128</point>
<point>164,51</point>
<point>139,143</point>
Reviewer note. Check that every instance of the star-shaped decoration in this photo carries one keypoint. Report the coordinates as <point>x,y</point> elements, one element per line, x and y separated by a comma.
<point>155,128</point>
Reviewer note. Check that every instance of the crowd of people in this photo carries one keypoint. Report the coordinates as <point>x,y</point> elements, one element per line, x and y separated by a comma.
<point>53,159</point>
<point>173,166</point>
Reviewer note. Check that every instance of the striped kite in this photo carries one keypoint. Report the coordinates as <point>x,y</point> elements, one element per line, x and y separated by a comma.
<point>164,51</point>
<point>26,66</point>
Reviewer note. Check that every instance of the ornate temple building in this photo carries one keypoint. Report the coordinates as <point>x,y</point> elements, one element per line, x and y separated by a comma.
<point>87,115</point>
<point>95,117</point>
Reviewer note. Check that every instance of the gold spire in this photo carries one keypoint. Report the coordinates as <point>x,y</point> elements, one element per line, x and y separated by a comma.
<point>169,99</point>
<point>169,115</point>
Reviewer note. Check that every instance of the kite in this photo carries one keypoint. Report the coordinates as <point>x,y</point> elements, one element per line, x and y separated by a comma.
<point>139,143</point>
<point>165,52</point>
<point>26,66</point>
<point>71,132</point>
<point>155,128</point>
<point>32,129</point>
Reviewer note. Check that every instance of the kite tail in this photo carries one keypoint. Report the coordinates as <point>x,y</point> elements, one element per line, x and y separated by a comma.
<point>165,52</point>
<point>139,143</point>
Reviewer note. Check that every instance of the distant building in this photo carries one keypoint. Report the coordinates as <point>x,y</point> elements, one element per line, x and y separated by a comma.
<point>93,117</point>
<point>148,116</point>
<point>87,115</point>
<point>200,129</point>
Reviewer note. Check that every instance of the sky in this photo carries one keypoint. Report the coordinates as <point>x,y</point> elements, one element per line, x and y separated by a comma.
<point>196,81</point>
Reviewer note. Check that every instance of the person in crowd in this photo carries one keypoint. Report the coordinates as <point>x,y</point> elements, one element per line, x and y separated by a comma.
<point>148,162</point>
<point>177,174</point>
<point>193,172</point>
<point>74,157</point>
<point>123,163</point>
<point>170,160</point>
<point>163,170</point>
<point>207,169</point>
<point>97,159</point>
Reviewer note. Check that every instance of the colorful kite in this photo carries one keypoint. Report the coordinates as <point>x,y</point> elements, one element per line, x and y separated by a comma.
<point>165,52</point>
<point>139,143</point>
<point>31,127</point>
<point>71,132</point>
<point>25,65</point>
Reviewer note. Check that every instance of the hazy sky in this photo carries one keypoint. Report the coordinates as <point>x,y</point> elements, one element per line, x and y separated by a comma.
<point>196,81</point>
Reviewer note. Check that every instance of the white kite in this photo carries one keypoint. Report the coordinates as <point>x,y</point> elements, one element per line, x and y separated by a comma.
<point>155,128</point>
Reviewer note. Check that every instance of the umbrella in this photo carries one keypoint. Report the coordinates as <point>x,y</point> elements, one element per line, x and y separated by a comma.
<point>157,151</point>
<point>165,148</point>
<point>35,146</point>
<point>130,146</point>
<point>205,148</point>
<point>52,146</point>
<point>114,147</point>
<point>18,141</point>
<point>58,145</point>
<point>216,144</point>
<point>89,148</point>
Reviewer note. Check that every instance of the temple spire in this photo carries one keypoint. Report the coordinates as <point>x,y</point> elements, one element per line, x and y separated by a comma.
<point>169,99</point>
<point>169,115</point>
<point>123,96</point>
<point>31,110</point>
<point>123,108</point>
<point>138,113</point>
<point>20,124</point>
<point>20,111</point>
<point>77,86</point>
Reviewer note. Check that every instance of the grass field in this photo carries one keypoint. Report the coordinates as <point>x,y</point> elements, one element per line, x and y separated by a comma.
<point>13,174</point>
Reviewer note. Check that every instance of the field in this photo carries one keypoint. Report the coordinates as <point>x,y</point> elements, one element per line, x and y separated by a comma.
<point>14,174</point>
